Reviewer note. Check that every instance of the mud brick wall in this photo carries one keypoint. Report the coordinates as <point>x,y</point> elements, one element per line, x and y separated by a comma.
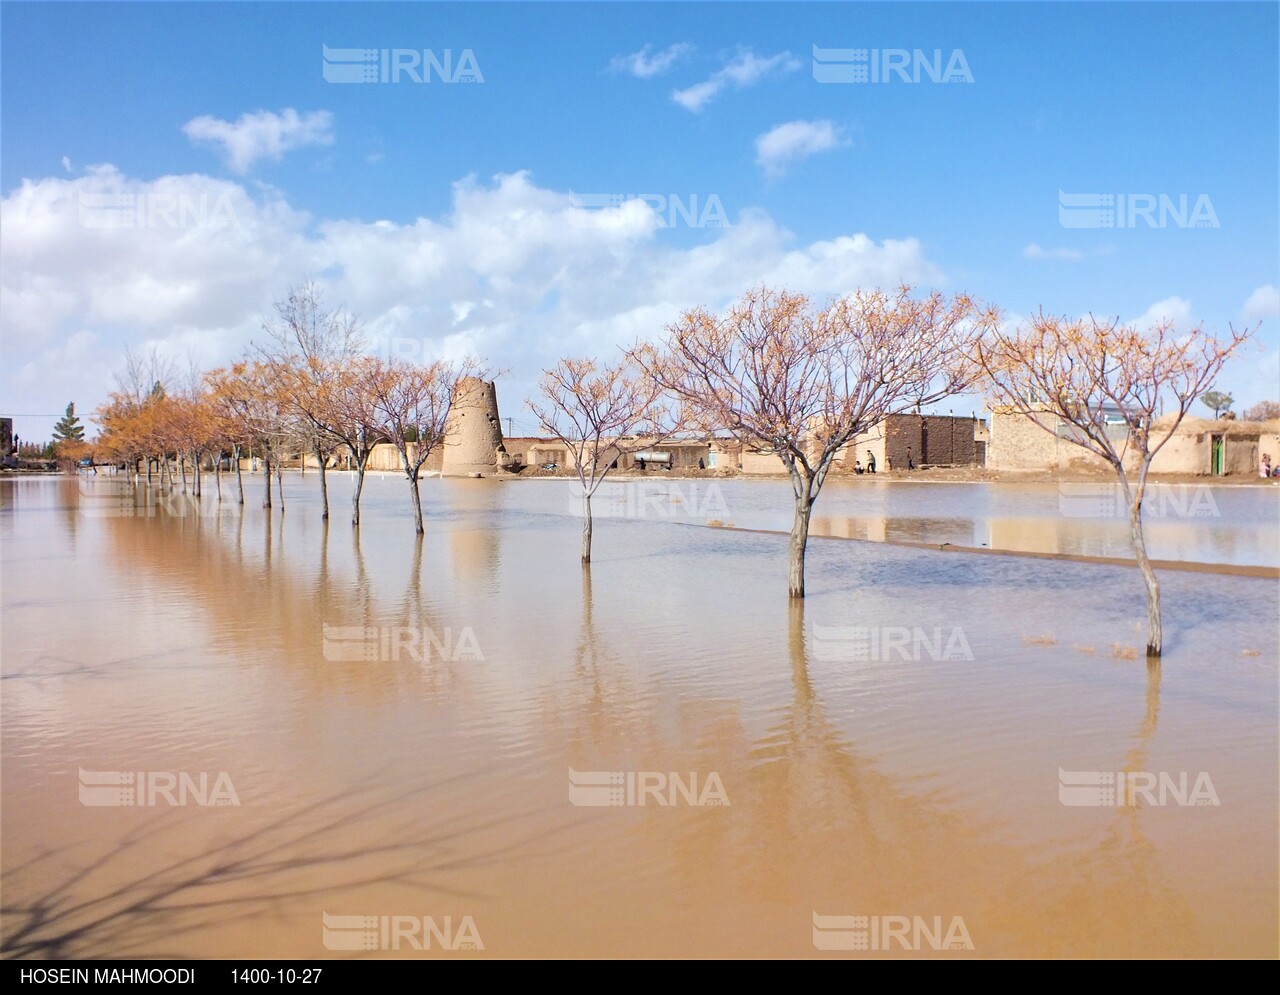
<point>934,440</point>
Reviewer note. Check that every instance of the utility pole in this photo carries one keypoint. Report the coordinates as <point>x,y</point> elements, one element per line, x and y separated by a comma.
<point>510,430</point>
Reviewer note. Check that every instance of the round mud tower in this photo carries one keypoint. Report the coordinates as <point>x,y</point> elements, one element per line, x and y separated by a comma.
<point>473,434</point>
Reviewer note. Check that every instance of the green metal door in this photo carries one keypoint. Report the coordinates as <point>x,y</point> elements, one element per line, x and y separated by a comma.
<point>1217,455</point>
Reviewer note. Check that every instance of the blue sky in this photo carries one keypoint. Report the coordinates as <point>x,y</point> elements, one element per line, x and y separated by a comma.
<point>491,217</point>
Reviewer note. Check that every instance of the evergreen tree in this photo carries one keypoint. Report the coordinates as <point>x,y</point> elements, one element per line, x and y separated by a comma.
<point>68,428</point>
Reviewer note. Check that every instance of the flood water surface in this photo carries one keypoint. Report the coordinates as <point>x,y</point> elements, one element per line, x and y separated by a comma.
<point>240,733</point>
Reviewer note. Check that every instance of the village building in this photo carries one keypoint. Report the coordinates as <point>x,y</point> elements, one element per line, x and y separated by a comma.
<point>1199,446</point>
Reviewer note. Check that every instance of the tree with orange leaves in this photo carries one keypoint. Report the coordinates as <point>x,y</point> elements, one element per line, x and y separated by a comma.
<point>1061,371</point>
<point>249,404</point>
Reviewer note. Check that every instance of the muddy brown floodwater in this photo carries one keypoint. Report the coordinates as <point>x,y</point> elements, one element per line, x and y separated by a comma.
<point>228,732</point>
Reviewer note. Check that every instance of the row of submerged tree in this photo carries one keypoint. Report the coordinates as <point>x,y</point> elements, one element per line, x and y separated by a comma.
<point>775,371</point>
<point>307,388</point>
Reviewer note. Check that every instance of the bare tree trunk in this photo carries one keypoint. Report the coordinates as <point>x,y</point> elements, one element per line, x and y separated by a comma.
<point>1149,579</point>
<point>195,468</point>
<point>586,526</point>
<point>322,459</point>
<point>799,542</point>
<point>1134,496</point>
<point>148,471</point>
<point>235,450</point>
<point>182,466</point>
<point>412,473</point>
<point>355,494</point>
<point>266,475</point>
<point>802,489</point>
<point>279,482</point>
<point>217,475</point>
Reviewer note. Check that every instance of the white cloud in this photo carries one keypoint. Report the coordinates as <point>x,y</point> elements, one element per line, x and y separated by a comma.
<point>1174,309</point>
<point>643,65</point>
<point>780,147</point>
<point>744,69</point>
<point>1034,251</point>
<point>515,273</point>
<point>263,134</point>
<point>1263,304</point>
<point>66,164</point>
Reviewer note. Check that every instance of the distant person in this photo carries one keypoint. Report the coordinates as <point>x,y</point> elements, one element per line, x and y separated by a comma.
<point>1264,468</point>
<point>857,467</point>
<point>910,463</point>
<point>640,463</point>
<point>701,465</point>
<point>871,461</point>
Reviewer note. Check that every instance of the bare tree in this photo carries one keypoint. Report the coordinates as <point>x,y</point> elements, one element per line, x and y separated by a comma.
<point>1062,371</point>
<point>352,418</point>
<point>412,405</point>
<point>308,347</point>
<point>799,383</point>
<point>602,412</point>
<point>146,374</point>
<point>1262,411</point>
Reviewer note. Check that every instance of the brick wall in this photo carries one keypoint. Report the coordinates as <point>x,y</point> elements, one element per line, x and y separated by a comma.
<point>933,440</point>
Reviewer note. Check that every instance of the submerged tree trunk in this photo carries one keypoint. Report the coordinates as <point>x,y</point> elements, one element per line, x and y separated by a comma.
<point>586,526</point>
<point>182,466</point>
<point>799,543</point>
<point>279,482</point>
<point>801,487</point>
<point>412,473</point>
<point>1149,579</point>
<point>217,475</point>
<point>355,494</point>
<point>322,459</point>
<point>235,450</point>
<point>266,475</point>
<point>195,469</point>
